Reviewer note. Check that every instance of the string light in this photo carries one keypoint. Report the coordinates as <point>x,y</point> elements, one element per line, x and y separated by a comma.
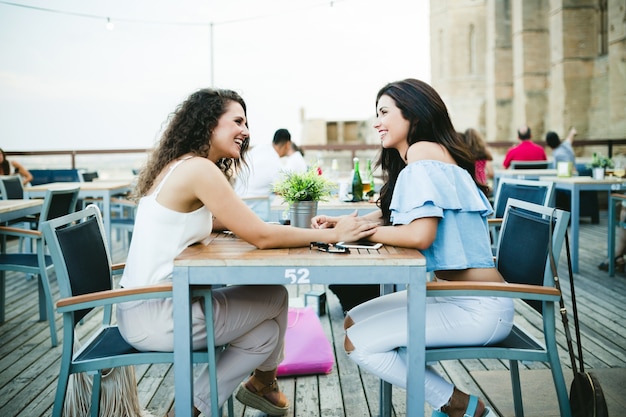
<point>110,25</point>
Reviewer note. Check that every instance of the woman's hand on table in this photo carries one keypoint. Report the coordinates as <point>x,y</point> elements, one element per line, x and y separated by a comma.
<point>328,222</point>
<point>349,228</point>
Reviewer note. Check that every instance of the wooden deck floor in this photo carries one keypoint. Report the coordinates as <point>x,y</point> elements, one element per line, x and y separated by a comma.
<point>29,366</point>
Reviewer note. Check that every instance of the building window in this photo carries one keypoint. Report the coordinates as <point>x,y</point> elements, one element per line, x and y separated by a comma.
<point>441,51</point>
<point>603,26</point>
<point>472,49</point>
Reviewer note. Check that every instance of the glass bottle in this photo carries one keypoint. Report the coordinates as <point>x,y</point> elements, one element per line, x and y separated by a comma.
<point>357,183</point>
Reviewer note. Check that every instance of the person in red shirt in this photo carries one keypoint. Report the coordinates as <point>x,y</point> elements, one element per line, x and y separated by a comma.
<point>526,150</point>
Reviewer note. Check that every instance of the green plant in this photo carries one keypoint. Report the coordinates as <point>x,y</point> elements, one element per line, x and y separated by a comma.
<point>600,161</point>
<point>303,186</point>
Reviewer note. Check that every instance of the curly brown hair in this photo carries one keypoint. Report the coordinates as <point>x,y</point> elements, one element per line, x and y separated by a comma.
<point>189,132</point>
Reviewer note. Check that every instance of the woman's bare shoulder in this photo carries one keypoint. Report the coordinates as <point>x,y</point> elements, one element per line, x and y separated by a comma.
<point>426,150</point>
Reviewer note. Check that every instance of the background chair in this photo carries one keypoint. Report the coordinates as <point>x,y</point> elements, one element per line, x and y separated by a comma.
<point>56,203</point>
<point>260,205</point>
<point>11,187</point>
<point>531,165</point>
<point>522,259</point>
<point>85,275</point>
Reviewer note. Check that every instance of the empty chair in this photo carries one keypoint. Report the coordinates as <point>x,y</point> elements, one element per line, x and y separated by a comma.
<point>83,267</point>
<point>531,164</point>
<point>56,203</point>
<point>522,259</point>
<point>260,205</point>
<point>538,192</point>
<point>11,187</point>
<point>123,216</point>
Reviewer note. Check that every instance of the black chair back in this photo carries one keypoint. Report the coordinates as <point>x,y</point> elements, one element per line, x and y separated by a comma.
<point>523,250</point>
<point>532,193</point>
<point>11,187</point>
<point>59,203</point>
<point>531,164</point>
<point>86,259</point>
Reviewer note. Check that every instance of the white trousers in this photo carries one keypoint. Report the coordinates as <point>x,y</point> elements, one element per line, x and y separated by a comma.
<point>379,334</point>
<point>252,320</point>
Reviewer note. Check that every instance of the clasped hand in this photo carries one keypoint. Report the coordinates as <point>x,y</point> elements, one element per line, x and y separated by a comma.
<point>350,227</point>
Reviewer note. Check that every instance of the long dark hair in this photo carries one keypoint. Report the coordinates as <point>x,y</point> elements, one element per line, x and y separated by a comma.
<point>189,131</point>
<point>5,166</point>
<point>429,121</point>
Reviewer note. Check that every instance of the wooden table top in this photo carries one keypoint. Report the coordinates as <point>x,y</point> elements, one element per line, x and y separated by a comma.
<point>584,180</point>
<point>226,249</point>
<point>12,205</point>
<point>95,185</point>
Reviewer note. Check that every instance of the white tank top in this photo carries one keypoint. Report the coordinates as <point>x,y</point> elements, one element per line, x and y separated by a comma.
<point>159,235</point>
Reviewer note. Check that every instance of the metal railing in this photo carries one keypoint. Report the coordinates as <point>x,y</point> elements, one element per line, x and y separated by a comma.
<point>610,145</point>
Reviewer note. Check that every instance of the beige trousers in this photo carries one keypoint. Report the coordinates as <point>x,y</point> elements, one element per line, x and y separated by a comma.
<point>252,320</point>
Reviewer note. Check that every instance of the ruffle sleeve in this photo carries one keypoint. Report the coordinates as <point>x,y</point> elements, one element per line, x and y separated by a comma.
<point>427,188</point>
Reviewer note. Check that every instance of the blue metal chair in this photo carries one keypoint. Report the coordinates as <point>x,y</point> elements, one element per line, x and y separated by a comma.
<point>615,199</point>
<point>522,258</point>
<point>533,191</point>
<point>85,275</point>
<point>11,188</point>
<point>56,203</point>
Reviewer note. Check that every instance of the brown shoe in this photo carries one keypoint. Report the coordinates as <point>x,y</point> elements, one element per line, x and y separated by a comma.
<point>266,398</point>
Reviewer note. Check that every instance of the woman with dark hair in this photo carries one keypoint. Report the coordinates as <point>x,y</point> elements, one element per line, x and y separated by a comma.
<point>430,201</point>
<point>184,194</point>
<point>482,165</point>
<point>5,168</point>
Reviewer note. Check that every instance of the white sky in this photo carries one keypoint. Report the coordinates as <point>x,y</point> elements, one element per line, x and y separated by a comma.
<point>66,82</point>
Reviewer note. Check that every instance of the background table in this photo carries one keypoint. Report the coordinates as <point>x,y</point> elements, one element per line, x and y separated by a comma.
<point>101,190</point>
<point>12,210</point>
<point>229,260</point>
<point>575,185</point>
<point>520,174</point>
<point>15,209</point>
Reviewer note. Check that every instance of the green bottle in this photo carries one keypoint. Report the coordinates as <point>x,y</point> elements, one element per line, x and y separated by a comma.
<point>357,184</point>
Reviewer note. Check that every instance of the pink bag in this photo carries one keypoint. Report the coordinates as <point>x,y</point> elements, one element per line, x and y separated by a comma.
<point>307,350</point>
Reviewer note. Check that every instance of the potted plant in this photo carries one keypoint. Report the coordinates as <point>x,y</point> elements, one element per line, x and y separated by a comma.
<point>302,191</point>
<point>599,163</point>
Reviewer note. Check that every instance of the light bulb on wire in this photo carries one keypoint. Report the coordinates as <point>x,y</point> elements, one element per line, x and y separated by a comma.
<point>110,25</point>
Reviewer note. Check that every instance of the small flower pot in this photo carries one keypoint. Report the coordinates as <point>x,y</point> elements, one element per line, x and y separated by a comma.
<point>597,173</point>
<point>301,213</point>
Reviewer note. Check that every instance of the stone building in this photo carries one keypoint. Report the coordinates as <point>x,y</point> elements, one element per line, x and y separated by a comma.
<point>499,64</point>
<point>550,64</point>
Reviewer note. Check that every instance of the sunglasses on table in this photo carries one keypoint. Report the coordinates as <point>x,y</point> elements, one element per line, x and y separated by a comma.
<point>328,247</point>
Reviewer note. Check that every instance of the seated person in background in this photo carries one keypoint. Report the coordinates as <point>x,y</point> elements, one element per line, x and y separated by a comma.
<point>294,161</point>
<point>562,151</point>
<point>526,150</point>
<point>264,165</point>
<point>5,168</point>
<point>482,166</point>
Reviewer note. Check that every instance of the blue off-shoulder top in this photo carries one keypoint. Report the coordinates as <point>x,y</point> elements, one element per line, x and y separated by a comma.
<point>435,189</point>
